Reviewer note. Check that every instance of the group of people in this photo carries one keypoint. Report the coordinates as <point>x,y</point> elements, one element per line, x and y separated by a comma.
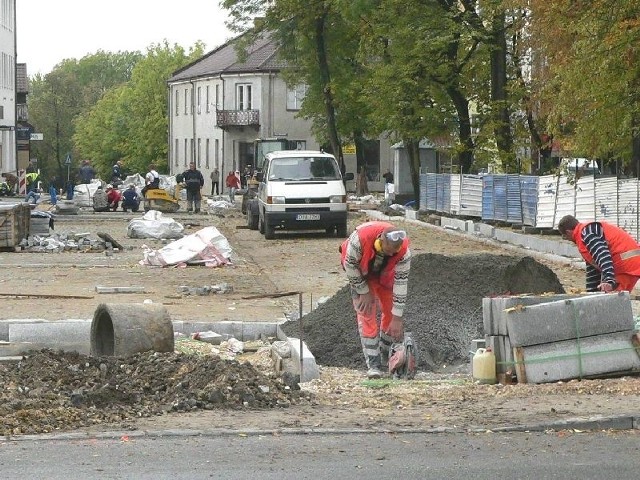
<point>110,198</point>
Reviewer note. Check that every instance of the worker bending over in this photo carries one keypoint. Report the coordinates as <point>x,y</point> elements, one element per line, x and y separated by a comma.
<point>612,255</point>
<point>377,259</point>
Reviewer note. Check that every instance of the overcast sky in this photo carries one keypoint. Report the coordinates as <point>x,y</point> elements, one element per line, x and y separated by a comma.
<point>49,31</point>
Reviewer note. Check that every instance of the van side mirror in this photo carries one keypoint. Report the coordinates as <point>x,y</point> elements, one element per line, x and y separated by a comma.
<point>348,176</point>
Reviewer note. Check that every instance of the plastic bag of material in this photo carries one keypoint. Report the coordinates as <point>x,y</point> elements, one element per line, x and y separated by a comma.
<point>154,225</point>
<point>205,247</point>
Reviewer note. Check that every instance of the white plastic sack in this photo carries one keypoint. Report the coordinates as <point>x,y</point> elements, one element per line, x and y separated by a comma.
<point>83,193</point>
<point>154,225</point>
<point>206,246</point>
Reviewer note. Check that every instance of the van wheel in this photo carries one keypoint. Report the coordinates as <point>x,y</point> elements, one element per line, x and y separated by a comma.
<point>252,220</point>
<point>342,230</point>
<point>260,224</point>
<point>269,231</point>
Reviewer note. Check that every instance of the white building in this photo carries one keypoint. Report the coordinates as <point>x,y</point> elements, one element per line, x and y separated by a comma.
<point>221,103</point>
<point>8,100</point>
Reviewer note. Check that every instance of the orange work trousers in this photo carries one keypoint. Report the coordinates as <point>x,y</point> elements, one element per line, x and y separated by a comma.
<point>368,321</point>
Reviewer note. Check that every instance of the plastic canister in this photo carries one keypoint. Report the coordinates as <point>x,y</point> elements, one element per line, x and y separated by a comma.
<point>484,366</point>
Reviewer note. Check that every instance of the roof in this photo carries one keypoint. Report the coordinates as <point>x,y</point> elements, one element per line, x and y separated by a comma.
<point>262,56</point>
<point>298,153</point>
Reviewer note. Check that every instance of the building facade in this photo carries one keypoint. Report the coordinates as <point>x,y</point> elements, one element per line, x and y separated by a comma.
<point>8,100</point>
<point>221,103</point>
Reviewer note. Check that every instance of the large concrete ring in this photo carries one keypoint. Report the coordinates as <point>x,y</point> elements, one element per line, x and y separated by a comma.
<point>126,329</point>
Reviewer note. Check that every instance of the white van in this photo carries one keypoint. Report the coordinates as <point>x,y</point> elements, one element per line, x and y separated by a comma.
<point>301,190</point>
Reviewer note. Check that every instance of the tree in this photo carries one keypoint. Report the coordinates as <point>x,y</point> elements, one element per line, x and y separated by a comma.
<point>588,75</point>
<point>58,98</point>
<point>131,122</point>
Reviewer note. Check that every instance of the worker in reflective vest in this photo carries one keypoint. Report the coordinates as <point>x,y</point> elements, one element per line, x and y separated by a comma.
<point>377,259</point>
<point>612,255</point>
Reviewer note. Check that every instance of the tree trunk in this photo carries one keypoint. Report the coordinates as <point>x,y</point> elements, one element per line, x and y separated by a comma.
<point>413,151</point>
<point>465,156</point>
<point>325,77</point>
<point>500,107</point>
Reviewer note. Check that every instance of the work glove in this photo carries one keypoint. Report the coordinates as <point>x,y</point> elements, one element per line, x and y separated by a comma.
<point>607,287</point>
<point>365,303</point>
<point>396,328</point>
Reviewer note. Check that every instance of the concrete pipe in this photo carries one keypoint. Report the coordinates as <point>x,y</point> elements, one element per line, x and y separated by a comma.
<point>125,329</point>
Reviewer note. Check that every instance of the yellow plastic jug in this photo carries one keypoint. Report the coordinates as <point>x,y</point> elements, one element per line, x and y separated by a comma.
<point>484,366</point>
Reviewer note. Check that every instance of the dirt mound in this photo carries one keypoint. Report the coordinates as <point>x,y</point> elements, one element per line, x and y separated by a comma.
<point>443,312</point>
<point>49,391</point>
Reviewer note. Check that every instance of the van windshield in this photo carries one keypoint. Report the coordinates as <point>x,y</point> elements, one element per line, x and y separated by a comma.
<point>303,168</point>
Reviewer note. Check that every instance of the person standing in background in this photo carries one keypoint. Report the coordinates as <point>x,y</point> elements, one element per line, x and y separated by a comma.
<point>194,181</point>
<point>86,172</point>
<point>233,184</point>
<point>215,182</point>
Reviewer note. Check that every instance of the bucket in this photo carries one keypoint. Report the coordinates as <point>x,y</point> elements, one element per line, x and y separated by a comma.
<point>127,329</point>
<point>484,366</point>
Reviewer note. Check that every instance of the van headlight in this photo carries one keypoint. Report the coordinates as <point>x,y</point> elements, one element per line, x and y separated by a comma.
<point>337,199</point>
<point>275,200</point>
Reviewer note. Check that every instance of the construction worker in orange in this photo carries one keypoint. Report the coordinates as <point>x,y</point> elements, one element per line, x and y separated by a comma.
<point>612,255</point>
<point>377,259</point>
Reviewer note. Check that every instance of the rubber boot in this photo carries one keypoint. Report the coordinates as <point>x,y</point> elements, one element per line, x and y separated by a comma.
<point>385,346</point>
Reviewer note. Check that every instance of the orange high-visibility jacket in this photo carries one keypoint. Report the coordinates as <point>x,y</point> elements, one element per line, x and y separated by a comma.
<point>625,251</point>
<point>368,233</point>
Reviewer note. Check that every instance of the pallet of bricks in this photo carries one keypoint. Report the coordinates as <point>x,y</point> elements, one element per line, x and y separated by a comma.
<point>15,220</point>
<point>550,338</point>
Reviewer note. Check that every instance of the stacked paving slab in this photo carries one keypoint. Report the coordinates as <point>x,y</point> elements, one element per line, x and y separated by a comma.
<point>550,338</point>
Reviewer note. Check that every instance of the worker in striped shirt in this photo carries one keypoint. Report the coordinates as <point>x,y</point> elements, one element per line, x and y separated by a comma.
<point>612,255</point>
<point>377,259</point>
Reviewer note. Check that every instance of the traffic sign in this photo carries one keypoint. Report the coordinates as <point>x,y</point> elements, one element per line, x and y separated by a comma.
<point>67,160</point>
<point>36,136</point>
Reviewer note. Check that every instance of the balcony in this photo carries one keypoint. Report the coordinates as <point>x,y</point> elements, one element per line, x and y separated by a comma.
<point>238,118</point>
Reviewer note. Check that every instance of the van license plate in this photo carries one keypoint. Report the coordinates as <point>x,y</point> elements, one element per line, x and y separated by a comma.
<point>308,216</point>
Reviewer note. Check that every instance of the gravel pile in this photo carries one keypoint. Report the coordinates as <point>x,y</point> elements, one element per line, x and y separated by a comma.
<point>49,391</point>
<point>444,308</point>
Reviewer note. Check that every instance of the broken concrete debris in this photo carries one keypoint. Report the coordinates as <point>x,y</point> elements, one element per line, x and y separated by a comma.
<point>205,290</point>
<point>60,242</point>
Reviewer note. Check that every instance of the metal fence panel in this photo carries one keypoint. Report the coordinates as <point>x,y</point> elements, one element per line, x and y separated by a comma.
<point>529,196</point>
<point>606,200</point>
<point>471,196</point>
<point>585,199</point>
<point>628,205</point>
<point>454,197</point>
<point>547,197</point>
<point>488,208</point>
<point>514,200</point>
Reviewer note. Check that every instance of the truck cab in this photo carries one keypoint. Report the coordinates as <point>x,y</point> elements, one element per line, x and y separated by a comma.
<point>300,190</point>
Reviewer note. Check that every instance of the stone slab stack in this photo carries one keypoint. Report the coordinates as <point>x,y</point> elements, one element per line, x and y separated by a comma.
<point>549,338</point>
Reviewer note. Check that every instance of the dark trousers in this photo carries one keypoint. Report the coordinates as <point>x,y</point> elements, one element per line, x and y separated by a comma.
<point>215,186</point>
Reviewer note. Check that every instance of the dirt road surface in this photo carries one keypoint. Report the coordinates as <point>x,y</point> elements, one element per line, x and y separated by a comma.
<point>308,263</point>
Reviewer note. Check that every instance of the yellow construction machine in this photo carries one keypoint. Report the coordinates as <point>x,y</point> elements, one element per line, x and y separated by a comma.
<point>161,200</point>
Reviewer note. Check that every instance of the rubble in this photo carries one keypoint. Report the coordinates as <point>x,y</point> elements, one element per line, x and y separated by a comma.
<point>49,391</point>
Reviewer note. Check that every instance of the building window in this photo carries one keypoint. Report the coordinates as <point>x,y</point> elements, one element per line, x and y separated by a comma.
<point>206,154</point>
<point>192,150</point>
<point>243,96</point>
<point>199,152</point>
<point>177,151</point>
<point>199,88</point>
<point>177,102</point>
<point>186,151</point>
<point>217,153</point>
<point>186,101</point>
<point>217,96</point>
<point>295,96</point>
<point>208,104</point>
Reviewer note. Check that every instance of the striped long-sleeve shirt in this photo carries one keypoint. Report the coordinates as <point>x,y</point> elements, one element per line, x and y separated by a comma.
<point>359,283</point>
<point>602,272</point>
